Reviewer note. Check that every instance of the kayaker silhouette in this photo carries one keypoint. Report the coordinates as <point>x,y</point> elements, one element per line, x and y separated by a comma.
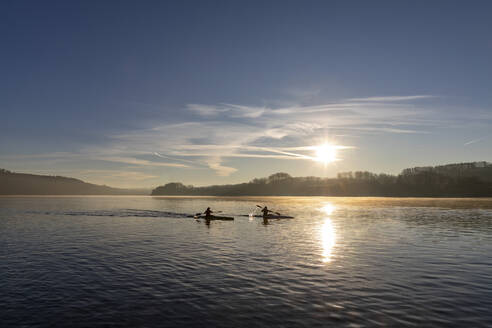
<point>208,213</point>
<point>265,211</point>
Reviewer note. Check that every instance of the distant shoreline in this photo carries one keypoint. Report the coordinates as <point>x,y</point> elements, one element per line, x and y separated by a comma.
<point>461,180</point>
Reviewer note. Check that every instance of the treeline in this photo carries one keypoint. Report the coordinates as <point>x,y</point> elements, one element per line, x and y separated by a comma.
<point>31,184</point>
<point>434,182</point>
<point>482,170</point>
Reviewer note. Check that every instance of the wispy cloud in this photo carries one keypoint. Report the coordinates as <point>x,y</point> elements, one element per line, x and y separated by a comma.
<point>392,98</point>
<point>230,110</point>
<point>215,163</point>
<point>135,161</point>
<point>220,133</point>
<point>232,130</point>
<point>174,158</point>
<point>474,141</point>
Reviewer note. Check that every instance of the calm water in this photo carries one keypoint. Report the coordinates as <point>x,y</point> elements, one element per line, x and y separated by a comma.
<point>138,261</point>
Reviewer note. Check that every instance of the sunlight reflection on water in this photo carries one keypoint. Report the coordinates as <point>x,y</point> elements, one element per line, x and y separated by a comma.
<point>328,233</point>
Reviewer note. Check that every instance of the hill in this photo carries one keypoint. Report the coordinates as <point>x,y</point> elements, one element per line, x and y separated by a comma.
<point>453,180</point>
<point>31,184</point>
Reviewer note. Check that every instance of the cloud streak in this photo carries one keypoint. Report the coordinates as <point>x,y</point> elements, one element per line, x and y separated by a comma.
<point>215,163</point>
<point>231,131</point>
<point>392,98</point>
<point>219,133</point>
<point>474,141</point>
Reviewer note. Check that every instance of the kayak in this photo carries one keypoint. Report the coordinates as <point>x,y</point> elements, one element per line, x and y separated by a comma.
<point>215,217</point>
<point>276,217</point>
<point>272,216</point>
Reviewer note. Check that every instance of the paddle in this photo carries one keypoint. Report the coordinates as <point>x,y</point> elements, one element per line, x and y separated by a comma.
<point>200,214</point>
<point>269,210</point>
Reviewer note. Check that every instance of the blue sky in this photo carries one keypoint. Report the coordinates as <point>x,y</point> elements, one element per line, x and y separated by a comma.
<point>137,94</point>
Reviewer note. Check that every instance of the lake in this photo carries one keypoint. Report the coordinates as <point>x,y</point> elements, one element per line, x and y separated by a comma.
<point>140,261</point>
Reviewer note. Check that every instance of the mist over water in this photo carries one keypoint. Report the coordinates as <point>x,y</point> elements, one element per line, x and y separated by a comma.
<point>139,261</point>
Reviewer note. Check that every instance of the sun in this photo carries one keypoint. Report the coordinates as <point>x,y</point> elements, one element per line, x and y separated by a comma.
<point>325,153</point>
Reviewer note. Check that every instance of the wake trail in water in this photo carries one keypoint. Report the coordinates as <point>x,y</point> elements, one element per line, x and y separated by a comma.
<point>123,213</point>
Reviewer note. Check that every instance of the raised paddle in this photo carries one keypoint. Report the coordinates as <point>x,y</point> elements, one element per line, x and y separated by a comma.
<point>269,210</point>
<point>199,215</point>
<point>204,213</point>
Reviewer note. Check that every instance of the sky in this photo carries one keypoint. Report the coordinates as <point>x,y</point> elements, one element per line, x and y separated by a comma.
<point>141,93</point>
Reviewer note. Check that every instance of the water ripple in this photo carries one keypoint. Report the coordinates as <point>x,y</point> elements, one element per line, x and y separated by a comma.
<point>89,261</point>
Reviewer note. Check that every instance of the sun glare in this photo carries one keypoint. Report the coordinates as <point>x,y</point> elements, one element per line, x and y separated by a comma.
<point>328,233</point>
<point>325,153</point>
<point>328,209</point>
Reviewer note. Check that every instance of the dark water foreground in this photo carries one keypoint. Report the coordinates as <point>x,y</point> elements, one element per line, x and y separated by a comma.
<point>139,262</point>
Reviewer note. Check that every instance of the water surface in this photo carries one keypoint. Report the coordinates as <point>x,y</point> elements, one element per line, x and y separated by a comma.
<point>139,261</point>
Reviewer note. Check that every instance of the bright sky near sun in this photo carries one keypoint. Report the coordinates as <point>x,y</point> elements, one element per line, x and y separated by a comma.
<point>141,93</point>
